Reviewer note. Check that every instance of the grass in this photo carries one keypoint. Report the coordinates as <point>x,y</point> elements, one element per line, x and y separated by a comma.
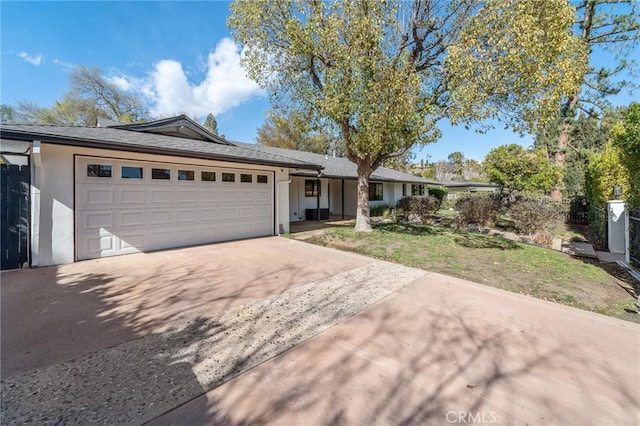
<point>493,261</point>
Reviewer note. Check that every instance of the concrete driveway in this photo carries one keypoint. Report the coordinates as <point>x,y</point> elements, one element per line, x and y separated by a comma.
<point>280,332</point>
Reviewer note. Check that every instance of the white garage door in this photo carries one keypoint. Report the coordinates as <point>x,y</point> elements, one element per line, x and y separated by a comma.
<point>131,206</point>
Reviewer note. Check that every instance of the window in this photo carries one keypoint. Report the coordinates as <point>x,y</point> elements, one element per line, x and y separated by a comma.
<point>404,189</point>
<point>246,178</point>
<point>186,175</point>
<point>375,192</point>
<point>129,172</point>
<point>98,170</point>
<point>164,174</point>
<point>261,178</point>
<point>311,188</point>
<point>228,177</point>
<point>417,189</point>
<point>208,176</point>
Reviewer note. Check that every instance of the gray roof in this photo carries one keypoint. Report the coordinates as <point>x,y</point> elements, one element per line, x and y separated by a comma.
<point>338,167</point>
<point>137,141</point>
<point>180,126</point>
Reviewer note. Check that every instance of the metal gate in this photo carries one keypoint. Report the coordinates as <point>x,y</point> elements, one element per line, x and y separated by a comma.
<point>14,216</point>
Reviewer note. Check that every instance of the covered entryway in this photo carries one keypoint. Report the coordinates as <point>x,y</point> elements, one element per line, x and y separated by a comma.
<point>124,206</point>
<point>14,215</point>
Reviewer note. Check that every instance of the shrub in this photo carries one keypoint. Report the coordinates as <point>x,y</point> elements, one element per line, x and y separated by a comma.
<point>380,210</point>
<point>482,209</point>
<point>531,215</point>
<point>440,192</point>
<point>542,238</point>
<point>419,205</point>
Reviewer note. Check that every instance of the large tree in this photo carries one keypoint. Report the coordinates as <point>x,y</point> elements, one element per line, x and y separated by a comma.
<point>90,95</point>
<point>606,27</point>
<point>382,74</point>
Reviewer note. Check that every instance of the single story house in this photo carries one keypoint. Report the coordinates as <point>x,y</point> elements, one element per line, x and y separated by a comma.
<point>334,191</point>
<point>88,192</point>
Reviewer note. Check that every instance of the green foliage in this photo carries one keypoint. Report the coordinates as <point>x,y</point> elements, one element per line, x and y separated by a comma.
<point>375,72</point>
<point>587,135</point>
<point>626,136</point>
<point>516,61</point>
<point>211,124</point>
<point>440,192</point>
<point>618,163</point>
<point>604,171</point>
<point>517,169</point>
<point>530,216</point>
<point>457,160</point>
<point>482,209</point>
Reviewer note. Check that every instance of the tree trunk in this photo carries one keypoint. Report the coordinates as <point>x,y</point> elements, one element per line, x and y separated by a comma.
<point>363,222</point>
<point>560,158</point>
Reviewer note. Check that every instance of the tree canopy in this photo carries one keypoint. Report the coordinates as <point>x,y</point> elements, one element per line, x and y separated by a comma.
<point>90,95</point>
<point>381,74</point>
<point>292,132</point>
<point>517,169</point>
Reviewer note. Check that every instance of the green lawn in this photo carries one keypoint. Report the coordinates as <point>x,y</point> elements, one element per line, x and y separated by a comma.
<point>493,261</point>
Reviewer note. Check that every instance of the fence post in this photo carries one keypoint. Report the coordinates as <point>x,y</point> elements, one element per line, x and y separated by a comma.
<point>616,213</point>
<point>627,238</point>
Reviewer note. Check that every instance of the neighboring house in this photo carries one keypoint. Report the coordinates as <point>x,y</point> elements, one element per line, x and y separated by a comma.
<point>334,191</point>
<point>90,192</point>
<point>455,188</point>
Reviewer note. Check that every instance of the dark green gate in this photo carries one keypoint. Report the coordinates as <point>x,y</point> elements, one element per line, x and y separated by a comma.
<point>14,216</point>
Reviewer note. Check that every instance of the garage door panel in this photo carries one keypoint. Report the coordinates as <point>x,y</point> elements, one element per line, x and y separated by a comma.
<point>131,241</point>
<point>246,213</point>
<point>208,196</point>
<point>161,196</point>
<point>98,196</point>
<point>228,196</point>
<point>129,196</point>
<point>227,214</point>
<point>161,217</point>
<point>98,220</point>
<point>187,216</point>
<point>118,215</point>
<point>187,196</point>
<point>208,215</point>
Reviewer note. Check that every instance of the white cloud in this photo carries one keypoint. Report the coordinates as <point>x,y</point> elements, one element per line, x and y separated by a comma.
<point>65,65</point>
<point>33,60</point>
<point>122,82</point>
<point>225,85</point>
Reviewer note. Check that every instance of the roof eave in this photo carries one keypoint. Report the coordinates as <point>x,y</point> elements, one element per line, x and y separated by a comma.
<point>91,143</point>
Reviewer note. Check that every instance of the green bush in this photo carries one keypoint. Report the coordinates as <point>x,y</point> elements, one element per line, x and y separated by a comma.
<point>531,216</point>
<point>482,209</point>
<point>440,192</point>
<point>420,205</point>
<point>380,210</point>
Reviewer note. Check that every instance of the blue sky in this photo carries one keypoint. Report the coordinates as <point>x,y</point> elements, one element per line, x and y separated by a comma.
<point>177,55</point>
